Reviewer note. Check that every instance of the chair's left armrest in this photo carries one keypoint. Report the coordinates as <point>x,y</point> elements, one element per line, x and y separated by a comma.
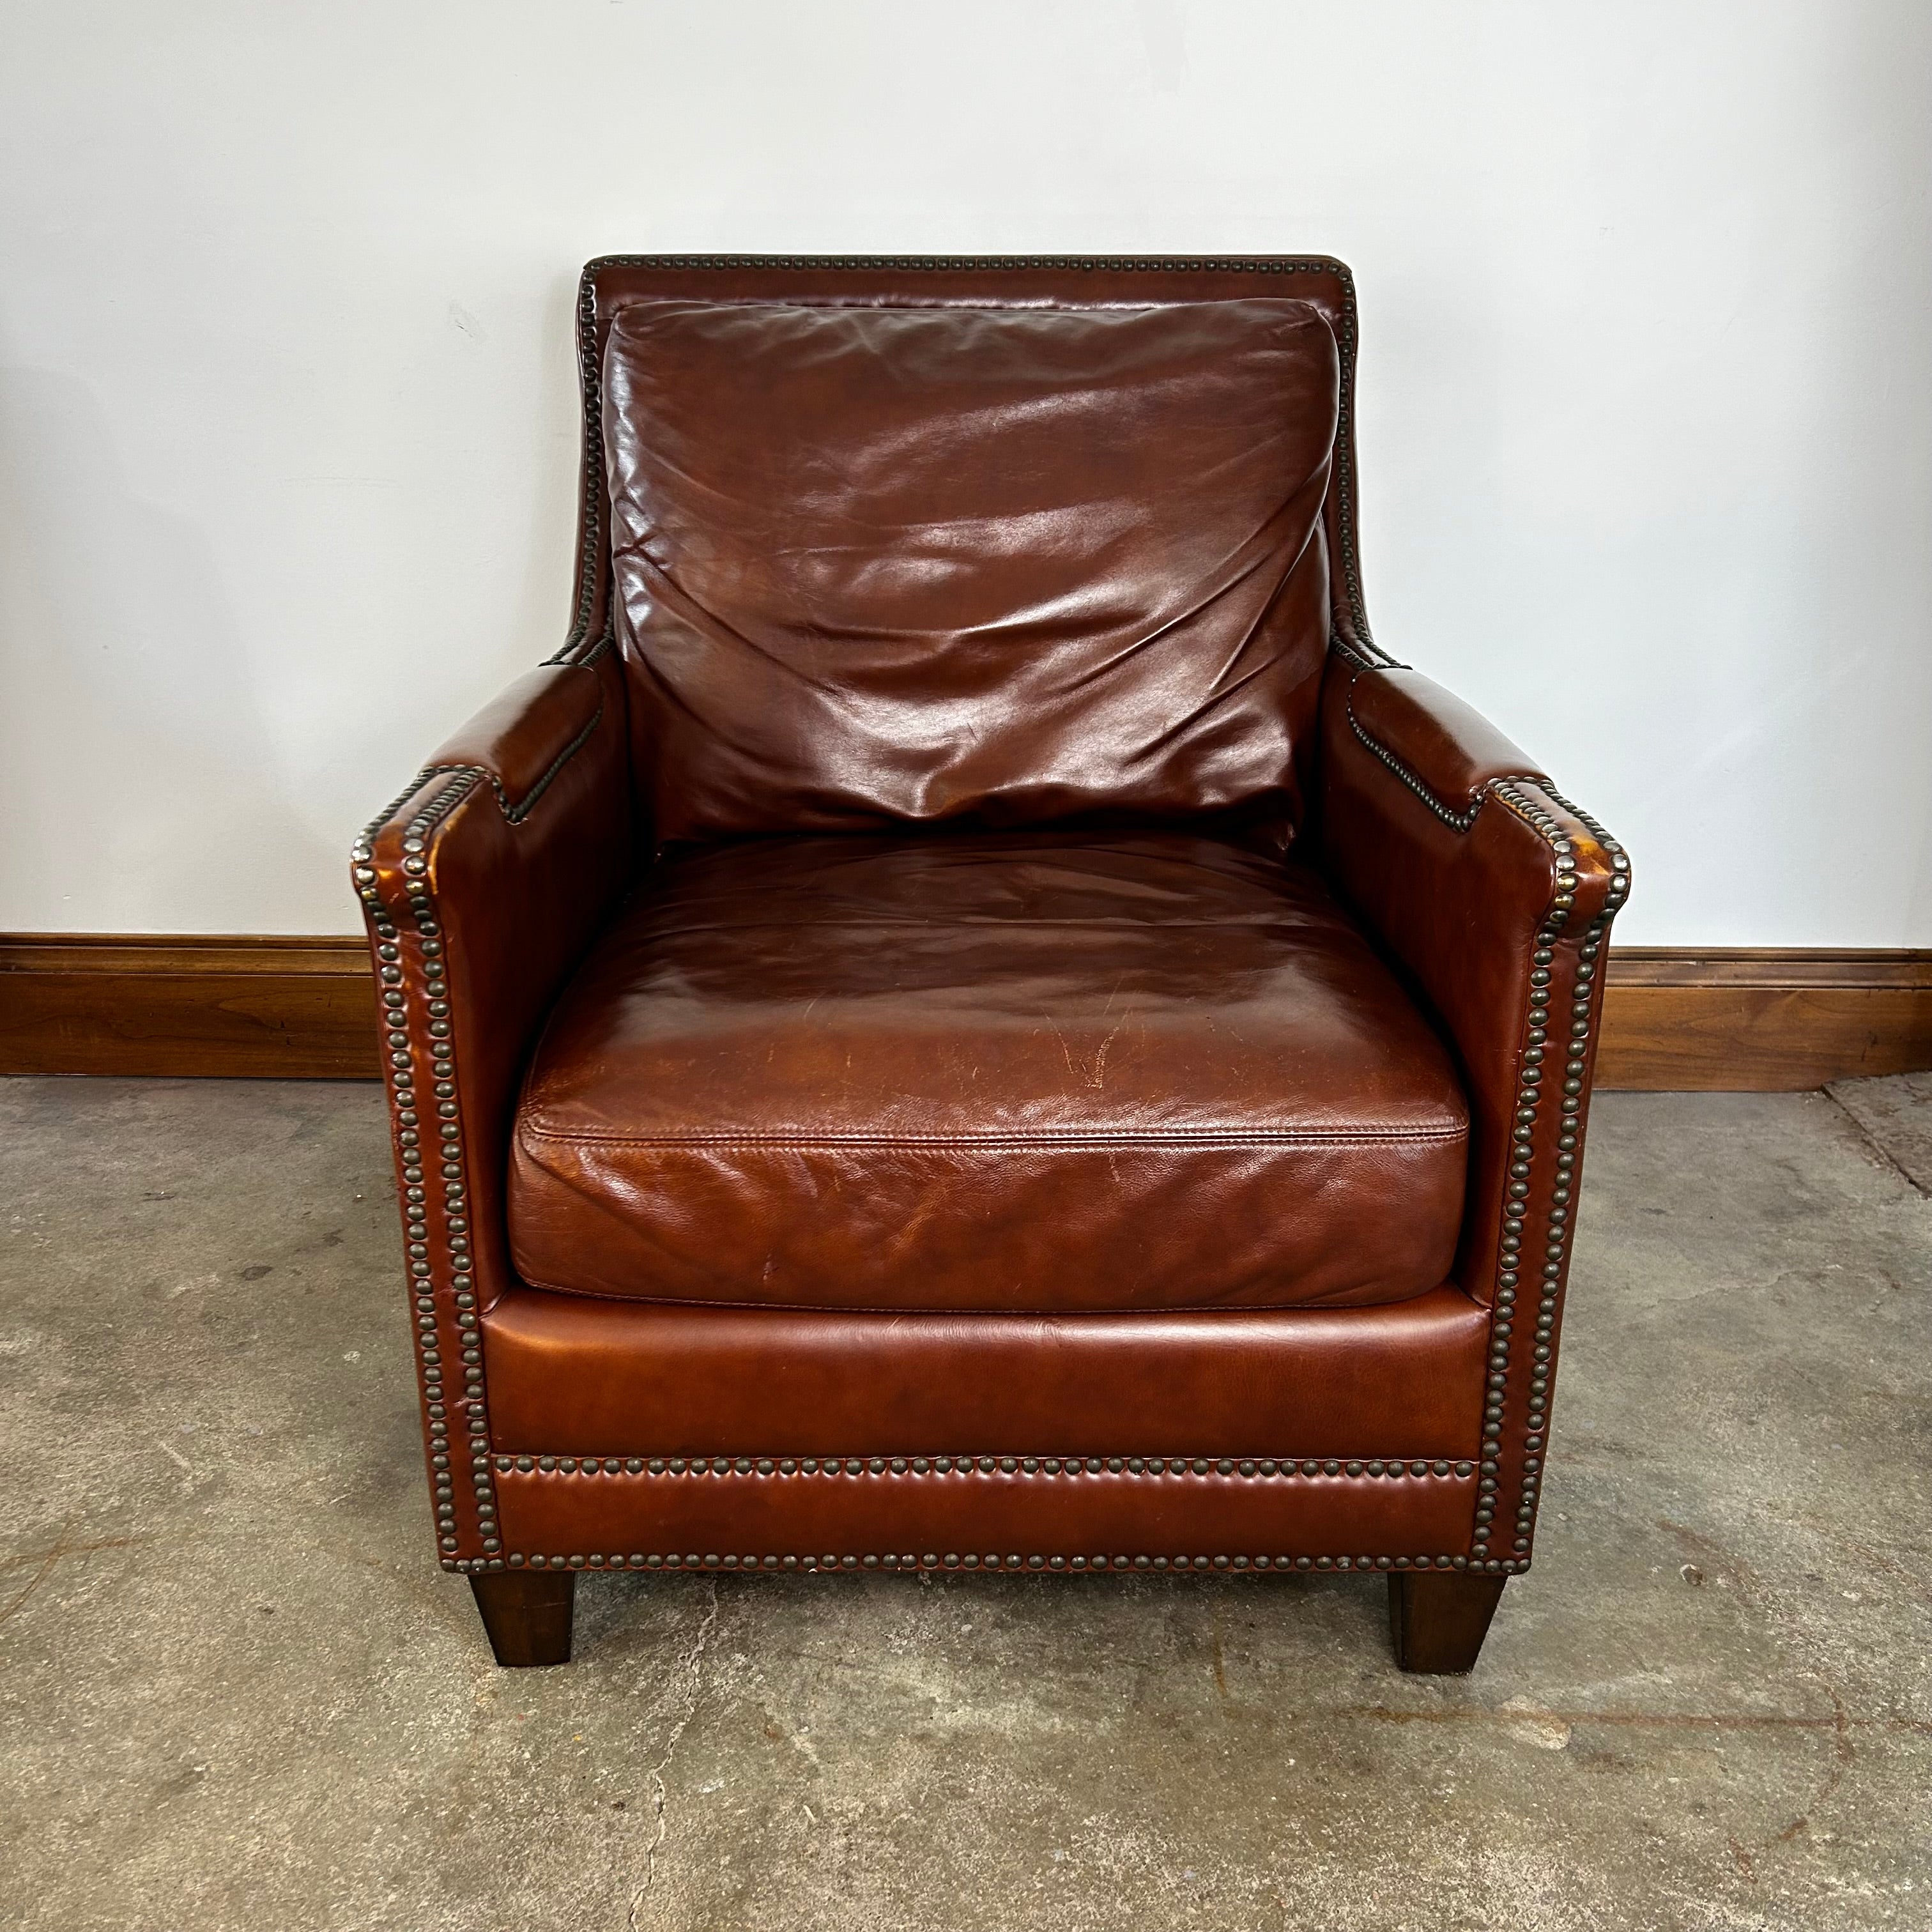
<point>481,886</point>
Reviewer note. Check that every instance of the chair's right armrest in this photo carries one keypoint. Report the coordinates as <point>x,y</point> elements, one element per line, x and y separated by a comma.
<point>481,887</point>
<point>1495,895</point>
<point>1457,852</point>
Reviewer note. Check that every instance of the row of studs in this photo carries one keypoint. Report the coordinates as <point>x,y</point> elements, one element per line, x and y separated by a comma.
<point>1363,656</point>
<point>398,1069</point>
<point>1523,1134</point>
<point>1520,1176</point>
<point>1109,264</point>
<point>1619,858</point>
<point>589,376</point>
<point>953,1560</point>
<point>459,1260</point>
<point>423,910</point>
<point>589,554</point>
<point>1560,1221</point>
<point>1556,1234</point>
<point>434,1334</point>
<point>984,1465</point>
<point>1344,483</point>
<point>1586,997</point>
<point>1457,821</point>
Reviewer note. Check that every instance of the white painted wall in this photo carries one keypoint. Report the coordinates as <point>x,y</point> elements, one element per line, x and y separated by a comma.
<point>287,425</point>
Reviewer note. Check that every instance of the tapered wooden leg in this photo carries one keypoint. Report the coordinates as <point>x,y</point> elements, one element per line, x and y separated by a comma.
<point>527,1614</point>
<point>1439,1622</point>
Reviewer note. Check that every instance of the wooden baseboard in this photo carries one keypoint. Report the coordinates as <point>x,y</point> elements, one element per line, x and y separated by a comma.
<point>237,1005</point>
<point>1753,1020</point>
<point>1758,1020</point>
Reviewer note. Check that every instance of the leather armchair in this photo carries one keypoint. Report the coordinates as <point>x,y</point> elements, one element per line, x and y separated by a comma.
<point>971,1019</point>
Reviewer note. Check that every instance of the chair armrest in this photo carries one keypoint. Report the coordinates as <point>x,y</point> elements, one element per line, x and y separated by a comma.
<point>1495,894</point>
<point>481,886</point>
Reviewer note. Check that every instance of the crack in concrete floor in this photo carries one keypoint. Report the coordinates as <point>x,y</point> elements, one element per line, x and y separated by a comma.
<point>691,1667</point>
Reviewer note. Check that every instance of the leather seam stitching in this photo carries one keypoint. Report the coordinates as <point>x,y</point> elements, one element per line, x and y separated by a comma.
<point>1393,1136</point>
<point>698,1468</point>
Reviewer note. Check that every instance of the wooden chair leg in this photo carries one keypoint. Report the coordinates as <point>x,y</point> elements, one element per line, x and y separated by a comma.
<point>527,1614</point>
<point>1439,1622</point>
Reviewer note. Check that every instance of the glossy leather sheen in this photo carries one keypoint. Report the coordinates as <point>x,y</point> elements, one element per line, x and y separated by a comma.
<point>1451,751</point>
<point>918,565</point>
<point>1043,921</point>
<point>1003,1519</point>
<point>520,883</point>
<point>481,886</point>
<point>1063,1071</point>
<point>1460,904</point>
<point>523,740</point>
<point>1460,887</point>
<point>569,1376</point>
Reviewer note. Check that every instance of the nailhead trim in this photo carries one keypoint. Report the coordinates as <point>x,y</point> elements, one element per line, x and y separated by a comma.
<point>1056,1562</point>
<point>1619,858</point>
<point>1438,1468</point>
<point>1552,1268</point>
<point>589,554</point>
<point>1344,483</point>
<point>1343,647</point>
<point>1231,264</point>
<point>1360,649</point>
<point>444,1294</point>
<point>1049,1466</point>
<point>445,1336</point>
<point>1459,821</point>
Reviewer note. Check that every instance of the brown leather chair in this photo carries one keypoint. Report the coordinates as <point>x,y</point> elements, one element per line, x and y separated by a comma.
<point>970,1018</point>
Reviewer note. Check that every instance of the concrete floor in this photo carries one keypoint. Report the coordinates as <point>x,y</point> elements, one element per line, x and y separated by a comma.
<point>235,1691</point>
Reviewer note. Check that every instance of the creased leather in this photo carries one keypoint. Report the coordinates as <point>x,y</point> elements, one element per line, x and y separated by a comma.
<point>917,566</point>
<point>1070,1071</point>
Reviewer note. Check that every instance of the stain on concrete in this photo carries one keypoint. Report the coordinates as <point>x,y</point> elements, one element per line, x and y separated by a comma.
<point>1895,1114</point>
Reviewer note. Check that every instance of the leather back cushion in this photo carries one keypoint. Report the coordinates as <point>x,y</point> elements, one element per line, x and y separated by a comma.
<point>894,566</point>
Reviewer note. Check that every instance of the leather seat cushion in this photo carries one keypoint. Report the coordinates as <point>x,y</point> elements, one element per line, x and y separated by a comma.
<point>1021,1072</point>
<point>881,565</point>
